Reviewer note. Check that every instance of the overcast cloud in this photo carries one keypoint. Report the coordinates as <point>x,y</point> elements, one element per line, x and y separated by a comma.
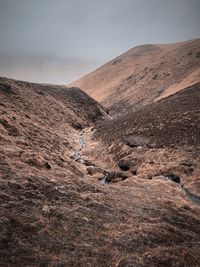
<point>80,35</point>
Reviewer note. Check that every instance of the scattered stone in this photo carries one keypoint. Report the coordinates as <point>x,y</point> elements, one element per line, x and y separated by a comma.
<point>77,126</point>
<point>124,165</point>
<point>136,141</point>
<point>122,175</point>
<point>48,165</point>
<point>77,155</point>
<point>114,177</point>
<point>173,177</point>
<point>82,161</point>
<point>155,77</point>
<point>110,177</point>
<point>130,77</point>
<point>89,163</point>
<point>133,170</point>
<point>103,180</point>
<point>93,170</point>
<point>151,162</point>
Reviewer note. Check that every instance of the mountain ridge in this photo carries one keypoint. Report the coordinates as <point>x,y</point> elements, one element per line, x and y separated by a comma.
<point>143,73</point>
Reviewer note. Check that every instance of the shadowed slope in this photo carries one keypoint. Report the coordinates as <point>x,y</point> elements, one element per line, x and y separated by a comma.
<point>173,121</point>
<point>159,139</point>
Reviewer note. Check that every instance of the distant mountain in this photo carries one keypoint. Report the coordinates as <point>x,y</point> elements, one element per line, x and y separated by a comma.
<point>143,75</point>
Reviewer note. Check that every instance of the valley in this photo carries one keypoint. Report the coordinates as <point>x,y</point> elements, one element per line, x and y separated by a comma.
<point>106,174</point>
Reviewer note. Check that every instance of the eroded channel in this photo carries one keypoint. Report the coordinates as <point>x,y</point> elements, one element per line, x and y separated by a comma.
<point>78,157</point>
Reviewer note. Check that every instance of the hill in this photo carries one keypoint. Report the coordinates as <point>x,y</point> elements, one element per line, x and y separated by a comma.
<point>38,135</point>
<point>144,74</point>
<point>81,188</point>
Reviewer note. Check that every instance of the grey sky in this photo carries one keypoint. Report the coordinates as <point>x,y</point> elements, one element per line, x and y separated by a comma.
<point>86,33</point>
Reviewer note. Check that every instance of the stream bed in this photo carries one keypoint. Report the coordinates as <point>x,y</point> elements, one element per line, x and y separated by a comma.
<point>78,157</point>
<point>77,154</point>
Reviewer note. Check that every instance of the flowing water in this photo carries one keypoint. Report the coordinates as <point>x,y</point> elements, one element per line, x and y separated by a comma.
<point>77,154</point>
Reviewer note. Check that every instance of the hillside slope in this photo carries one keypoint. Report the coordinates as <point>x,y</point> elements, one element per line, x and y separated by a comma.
<point>55,212</point>
<point>144,74</point>
<point>164,133</point>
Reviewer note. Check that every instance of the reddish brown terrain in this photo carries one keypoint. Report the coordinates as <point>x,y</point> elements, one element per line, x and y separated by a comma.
<point>144,74</point>
<point>82,188</point>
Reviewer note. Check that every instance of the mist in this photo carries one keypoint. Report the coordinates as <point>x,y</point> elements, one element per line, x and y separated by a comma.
<point>59,41</point>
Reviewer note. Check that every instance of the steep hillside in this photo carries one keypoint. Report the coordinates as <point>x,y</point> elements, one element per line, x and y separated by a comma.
<point>144,74</point>
<point>173,121</point>
<point>38,136</point>
<point>163,137</point>
<point>38,123</point>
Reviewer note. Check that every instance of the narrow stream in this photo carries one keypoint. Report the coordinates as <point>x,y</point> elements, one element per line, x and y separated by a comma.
<point>78,157</point>
<point>103,180</point>
<point>194,199</point>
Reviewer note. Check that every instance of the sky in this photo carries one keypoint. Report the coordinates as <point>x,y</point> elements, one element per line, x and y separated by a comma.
<point>59,41</point>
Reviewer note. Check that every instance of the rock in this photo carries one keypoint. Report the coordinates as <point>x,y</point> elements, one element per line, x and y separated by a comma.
<point>133,170</point>
<point>124,165</point>
<point>48,165</point>
<point>136,141</point>
<point>103,180</point>
<point>77,126</point>
<point>155,77</point>
<point>81,161</point>
<point>93,170</point>
<point>106,172</point>
<point>173,177</point>
<point>114,177</point>
<point>132,143</point>
<point>151,162</point>
<point>122,175</point>
<point>90,170</point>
<point>89,163</point>
<point>110,177</point>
